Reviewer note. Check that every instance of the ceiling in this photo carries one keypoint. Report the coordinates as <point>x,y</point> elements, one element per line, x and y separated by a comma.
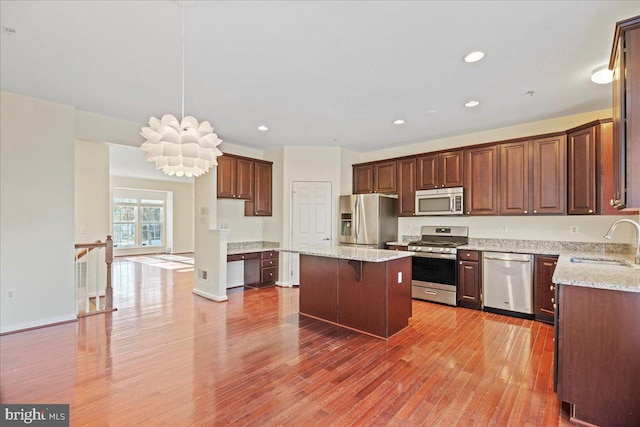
<point>323,73</point>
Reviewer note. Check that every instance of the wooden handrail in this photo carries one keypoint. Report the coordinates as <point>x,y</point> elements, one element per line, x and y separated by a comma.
<point>108,259</point>
<point>88,247</point>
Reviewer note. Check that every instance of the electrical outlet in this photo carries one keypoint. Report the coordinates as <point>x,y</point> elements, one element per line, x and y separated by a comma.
<point>11,293</point>
<point>505,228</point>
<point>573,229</point>
<point>203,273</point>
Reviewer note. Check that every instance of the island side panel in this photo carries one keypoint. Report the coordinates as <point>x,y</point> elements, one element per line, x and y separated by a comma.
<point>399,301</point>
<point>362,304</point>
<point>319,287</point>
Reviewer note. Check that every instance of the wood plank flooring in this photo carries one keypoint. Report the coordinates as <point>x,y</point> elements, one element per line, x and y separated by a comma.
<point>168,357</point>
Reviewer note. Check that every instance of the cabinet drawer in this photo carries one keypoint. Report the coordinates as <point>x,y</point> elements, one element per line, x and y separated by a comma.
<point>269,263</point>
<point>269,274</point>
<point>242,257</point>
<point>268,254</point>
<point>397,248</point>
<point>468,255</point>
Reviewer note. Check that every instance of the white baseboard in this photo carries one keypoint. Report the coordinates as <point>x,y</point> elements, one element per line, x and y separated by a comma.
<point>39,323</point>
<point>212,297</point>
<point>285,284</point>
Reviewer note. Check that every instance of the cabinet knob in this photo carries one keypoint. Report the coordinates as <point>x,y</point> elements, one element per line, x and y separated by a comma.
<point>242,257</point>
<point>442,186</point>
<point>270,262</point>
<point>612,202</point>
<point>468,212</point>
<point>554,306</point>
<point>526,211</point>
<point>460,262</point>
<point>270,274</point>
<point>553,300</point>
<point>590,210</point>
<point>553,288</point>
<point>535,211</point>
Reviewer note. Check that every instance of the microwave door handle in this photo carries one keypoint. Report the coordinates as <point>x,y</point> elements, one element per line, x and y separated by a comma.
<point>451,204</point>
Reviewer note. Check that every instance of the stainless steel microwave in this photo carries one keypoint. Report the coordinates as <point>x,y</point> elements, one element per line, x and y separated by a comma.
<point>441,201</point>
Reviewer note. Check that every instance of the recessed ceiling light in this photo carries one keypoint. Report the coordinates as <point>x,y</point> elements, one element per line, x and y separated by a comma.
<point>263,128</point>
<point>398,122</point>
<point>602,75</point>
<point>473,56</point>
<point>472,103</point>
<point>430,111</point>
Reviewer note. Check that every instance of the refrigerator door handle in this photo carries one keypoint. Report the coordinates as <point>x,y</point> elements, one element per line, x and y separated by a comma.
<point>356,221</point>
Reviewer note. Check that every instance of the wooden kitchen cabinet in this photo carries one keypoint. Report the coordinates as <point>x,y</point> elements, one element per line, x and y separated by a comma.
<point>406,187</point>
<point>481,181</point>
<point>597,348</point>
<point>515,178</point>
<point>261,204</point>
<point>469,280</point>
<point>378,177</point>
<point>549,175</point>
<point>440,170</point>
<point>363,179</point>
<point>543,288</point>
<point>582,173</point>
<point>625,63</point>
<point>235,177</point>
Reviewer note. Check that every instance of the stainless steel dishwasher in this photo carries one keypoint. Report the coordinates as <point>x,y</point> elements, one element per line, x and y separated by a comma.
<point>508,283</point>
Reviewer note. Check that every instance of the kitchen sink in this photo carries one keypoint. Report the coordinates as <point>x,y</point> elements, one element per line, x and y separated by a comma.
<point>600,261</point>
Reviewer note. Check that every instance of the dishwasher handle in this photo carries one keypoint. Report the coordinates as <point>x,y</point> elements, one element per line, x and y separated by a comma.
<point>508,259</point>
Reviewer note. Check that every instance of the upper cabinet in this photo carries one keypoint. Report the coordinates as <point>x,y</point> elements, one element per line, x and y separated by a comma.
<point>235,177</point>
<point>378,177</point>
<point>549,175</point>
<point>625,63</point>
<point>481,180</point>
<point>440,170</point>
<point>261,204</point>
<point>515,178</point>
<point>582,164</point>
<point>406,187</point>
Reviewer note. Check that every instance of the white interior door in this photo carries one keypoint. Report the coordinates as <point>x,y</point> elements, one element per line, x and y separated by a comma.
<point>311,214</point>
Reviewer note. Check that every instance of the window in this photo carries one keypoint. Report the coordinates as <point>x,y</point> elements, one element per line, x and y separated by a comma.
<point>137,222</point>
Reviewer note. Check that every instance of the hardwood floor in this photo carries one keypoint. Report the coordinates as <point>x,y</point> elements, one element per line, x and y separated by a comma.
<point>168,357</point>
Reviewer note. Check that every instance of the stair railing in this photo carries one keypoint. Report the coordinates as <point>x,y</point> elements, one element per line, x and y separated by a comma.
<point>88,278</point>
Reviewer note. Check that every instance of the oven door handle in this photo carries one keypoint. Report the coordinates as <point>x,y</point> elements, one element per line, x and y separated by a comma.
<point>432,255</point>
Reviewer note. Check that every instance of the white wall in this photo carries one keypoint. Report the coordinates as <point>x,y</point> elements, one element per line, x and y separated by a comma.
<point>92,204</point>
<point>36,212</point>
<point>183,211</point>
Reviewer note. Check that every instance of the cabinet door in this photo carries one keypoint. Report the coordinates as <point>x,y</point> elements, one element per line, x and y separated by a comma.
<point>549,175</point>
<point>244,179</point>
<point>451,167</point>
<point>481,181</point>
<point>363,179</point>
<point>544,289</point>
<point>618,114</point>
<point>384,177</point>
<point>226,172</point>
<point>406,187</point>
<point>469,284</point>
<point>581,173</point>
<point>514,178</point>
<point>261,203</point>
<point>428,176</point>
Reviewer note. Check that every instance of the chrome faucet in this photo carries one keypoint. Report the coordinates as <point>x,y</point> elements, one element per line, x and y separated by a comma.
<point>636,225</point>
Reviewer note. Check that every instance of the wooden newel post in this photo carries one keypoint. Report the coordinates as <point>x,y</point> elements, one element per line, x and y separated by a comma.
<point>108,259</point>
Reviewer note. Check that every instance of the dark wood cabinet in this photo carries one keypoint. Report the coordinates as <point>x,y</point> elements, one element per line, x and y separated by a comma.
<point>406,187</point>
<point>268,268</point>
<point>625,63</point>
<point>605,174</point>
<point>384,177</point>
<point>235,177</point>
<point>261,204</point>
<point>582,171</point>
<point>481,181</point>
<point>397,248</point>
<point>260,268</point>
<point>543,288</point>
<point>440,170</point>
<point>515,178</point>
<point>597,347</point>
<point>469,280</point>
<point>549,175</point>
<point>363,179</point>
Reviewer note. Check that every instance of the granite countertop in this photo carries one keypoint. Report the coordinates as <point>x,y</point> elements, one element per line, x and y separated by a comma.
<point>619,278</point>
<point>247,247</point>
<point>349,252</point>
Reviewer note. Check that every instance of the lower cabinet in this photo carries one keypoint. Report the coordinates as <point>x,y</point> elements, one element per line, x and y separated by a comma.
<point>597,347</point>
<point>260,268</point>
<point>543,288</point>
<point>469,280</point>
<point>268,268</point>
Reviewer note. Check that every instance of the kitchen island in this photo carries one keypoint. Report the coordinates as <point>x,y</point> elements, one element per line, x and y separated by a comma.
<point>367,290</point>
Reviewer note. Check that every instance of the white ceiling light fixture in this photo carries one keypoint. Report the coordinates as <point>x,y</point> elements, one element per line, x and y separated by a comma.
<point>181,148</point>
<point>398,122</point>
<point>602,75</point>
<point>263,128</point>
<point>472,103</point>
<point>473,56</point>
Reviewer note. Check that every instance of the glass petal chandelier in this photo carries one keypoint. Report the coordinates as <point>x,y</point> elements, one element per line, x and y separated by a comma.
<point>181,148</point>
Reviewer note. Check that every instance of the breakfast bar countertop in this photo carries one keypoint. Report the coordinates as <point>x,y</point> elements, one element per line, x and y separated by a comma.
<point>348,252</point>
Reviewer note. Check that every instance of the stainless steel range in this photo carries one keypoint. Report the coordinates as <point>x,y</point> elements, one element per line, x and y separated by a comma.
<point>435,273</point>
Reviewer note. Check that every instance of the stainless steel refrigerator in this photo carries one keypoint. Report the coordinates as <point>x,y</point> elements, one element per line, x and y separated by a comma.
<point>368,220</point>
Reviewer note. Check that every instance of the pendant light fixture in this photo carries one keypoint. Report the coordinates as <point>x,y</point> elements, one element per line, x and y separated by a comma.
<point>181,148</point>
